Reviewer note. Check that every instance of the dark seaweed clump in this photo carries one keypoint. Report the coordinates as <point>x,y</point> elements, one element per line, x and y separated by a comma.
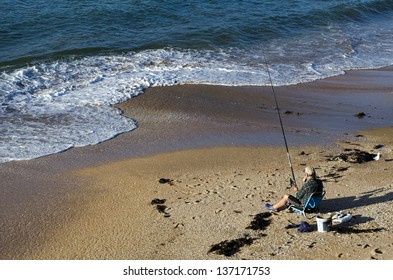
<point>158,201</point>
<point>165,181</point>
<point>354,156</point>
<point>231,247</point>
<point>160,206</point>
<point>260,221</point>
<point>360,115</point>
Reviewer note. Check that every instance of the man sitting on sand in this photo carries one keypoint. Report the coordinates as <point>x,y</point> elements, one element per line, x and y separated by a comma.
<point>311,184</point>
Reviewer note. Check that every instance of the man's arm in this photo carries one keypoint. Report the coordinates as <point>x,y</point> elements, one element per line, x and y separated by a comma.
<point>299,195</point>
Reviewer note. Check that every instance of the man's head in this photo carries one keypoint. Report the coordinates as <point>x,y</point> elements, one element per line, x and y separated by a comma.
<point>310,171</point>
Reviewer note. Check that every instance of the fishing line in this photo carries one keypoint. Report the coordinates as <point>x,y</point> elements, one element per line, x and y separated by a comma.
<point>279,117</point>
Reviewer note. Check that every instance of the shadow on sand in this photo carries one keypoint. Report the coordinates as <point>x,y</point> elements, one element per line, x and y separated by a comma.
<point>351,202</point>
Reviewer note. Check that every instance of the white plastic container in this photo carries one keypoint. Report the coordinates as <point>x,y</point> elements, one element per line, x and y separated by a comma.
<point>323,224</point>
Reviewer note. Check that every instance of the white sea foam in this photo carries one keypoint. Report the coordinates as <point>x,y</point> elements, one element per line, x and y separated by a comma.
<point>52,107</point>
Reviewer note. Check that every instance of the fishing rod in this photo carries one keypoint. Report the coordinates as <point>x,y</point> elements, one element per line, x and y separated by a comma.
<point>293,180</point>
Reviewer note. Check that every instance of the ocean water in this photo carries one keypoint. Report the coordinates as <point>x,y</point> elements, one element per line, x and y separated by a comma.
<point>63,63</point>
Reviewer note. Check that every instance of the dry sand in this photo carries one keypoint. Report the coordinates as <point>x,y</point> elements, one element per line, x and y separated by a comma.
<point>224,160</point>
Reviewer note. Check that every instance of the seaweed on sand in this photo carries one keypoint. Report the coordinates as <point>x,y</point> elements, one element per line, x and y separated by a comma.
<point>158,201</point>
<point>160,206</point>
<point>260,221</point>
<point>231,247</point>
<point>354,156</point>
<point>166,181</point>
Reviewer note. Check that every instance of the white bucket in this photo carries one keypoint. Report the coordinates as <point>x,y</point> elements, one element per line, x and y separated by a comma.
<point>323,224</point>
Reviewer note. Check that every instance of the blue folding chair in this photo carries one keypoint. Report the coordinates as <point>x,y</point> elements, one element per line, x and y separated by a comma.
<point>311,205</point>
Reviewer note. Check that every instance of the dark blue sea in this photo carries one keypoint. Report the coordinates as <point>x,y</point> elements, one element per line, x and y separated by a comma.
<point>64,62</point>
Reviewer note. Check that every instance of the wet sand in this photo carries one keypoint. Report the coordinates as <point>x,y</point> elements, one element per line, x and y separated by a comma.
<point>222,150</point>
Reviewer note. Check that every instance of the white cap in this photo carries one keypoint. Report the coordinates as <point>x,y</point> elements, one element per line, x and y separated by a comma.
<point>309,171</point>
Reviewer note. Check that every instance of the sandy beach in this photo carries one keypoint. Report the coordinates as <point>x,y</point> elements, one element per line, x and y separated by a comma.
<point>198,171</point>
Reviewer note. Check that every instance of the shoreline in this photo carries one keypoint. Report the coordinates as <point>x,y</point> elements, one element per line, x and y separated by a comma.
<point>77,204</point>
